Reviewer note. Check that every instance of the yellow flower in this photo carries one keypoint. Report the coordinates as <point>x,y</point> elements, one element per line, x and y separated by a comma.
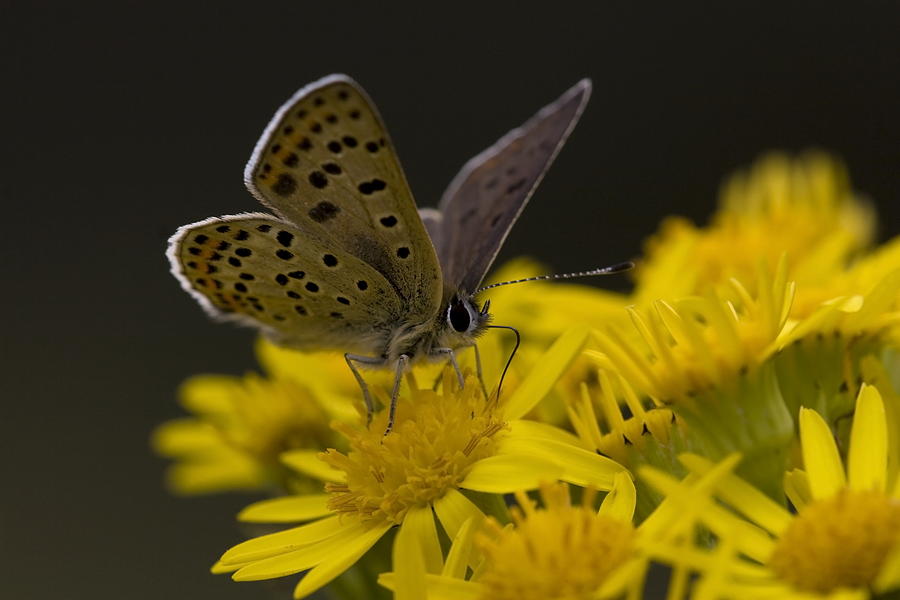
<point>818,361</point>
<point>651,435</point>
<point>846,296</point>
<point>843,541</point>
<point>241,425</point>
<point>443,442</point>
<point>559,551</point>
<point>706,358</point>
<point>801,207</point>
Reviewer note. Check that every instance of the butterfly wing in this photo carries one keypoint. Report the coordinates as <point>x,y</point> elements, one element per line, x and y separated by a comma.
<point>262,271</point>
<point>326,164</point>
<point>488,194</point>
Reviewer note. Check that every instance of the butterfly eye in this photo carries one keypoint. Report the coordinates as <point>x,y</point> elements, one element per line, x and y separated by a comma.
<point>458,316</point>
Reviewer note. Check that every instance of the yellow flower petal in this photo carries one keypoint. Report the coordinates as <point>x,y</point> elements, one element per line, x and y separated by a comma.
<point>506,473</point>
<point>546,373</point>
<point>180,437</point>
<point>288,509</point>
<point>460,552</point>
<point>620,501</point>
<point>796,488</point>
<point>441,587</point>
<point>692,500</point>
<point>536,430</point>
<point>416,553</point>
<point>453,510</point>
<point>284,541</point>
<point>420,522</point>
<point>220,567</point>
<point>306,556</point>
<point>236,472</point>
<point>821,459</point>
<point>867,459</point>
<point>208,394</point>
<point>889,577</point>
<point>629,578</point>
<point>742,496</point>
<point>579,466</point>
<point>338,561</point>
<point>308,463</point>
<point>408,558</point>
<point>699,560</point>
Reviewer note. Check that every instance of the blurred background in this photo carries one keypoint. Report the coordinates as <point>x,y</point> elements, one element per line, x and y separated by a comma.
<point>124,120</point>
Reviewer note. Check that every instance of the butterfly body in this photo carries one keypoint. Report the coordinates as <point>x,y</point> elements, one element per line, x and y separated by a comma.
<point>346,261</point>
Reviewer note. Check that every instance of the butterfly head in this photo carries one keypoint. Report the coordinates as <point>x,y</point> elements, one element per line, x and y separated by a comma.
<point>464,320</point>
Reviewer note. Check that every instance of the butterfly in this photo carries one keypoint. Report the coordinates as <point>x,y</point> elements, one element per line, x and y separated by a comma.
<point>345,261</point>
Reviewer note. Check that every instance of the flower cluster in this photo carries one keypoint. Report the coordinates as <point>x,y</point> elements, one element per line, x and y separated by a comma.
<point>733,421</point>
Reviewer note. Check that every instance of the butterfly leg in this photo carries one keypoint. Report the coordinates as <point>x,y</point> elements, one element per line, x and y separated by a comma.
<point>367,396</point>
<point>451,357</point>
<point>395,393</point>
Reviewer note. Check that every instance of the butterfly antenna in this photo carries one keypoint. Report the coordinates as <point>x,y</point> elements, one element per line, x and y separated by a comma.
<point>511,354</point>
<point>611,270</point>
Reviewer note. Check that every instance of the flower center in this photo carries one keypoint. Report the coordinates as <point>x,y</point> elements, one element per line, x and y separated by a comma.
<point>271,416</point>
<point>838,542</point>
<point>435,440</point>
<point>562,553</point>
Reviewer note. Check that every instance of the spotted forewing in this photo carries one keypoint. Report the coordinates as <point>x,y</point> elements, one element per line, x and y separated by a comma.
<point>326,164</point>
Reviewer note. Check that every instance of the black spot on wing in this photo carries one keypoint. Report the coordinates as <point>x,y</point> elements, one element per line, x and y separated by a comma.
<point>285,185</point>
<point>516,186</point>
<point>285,238</point>
<point>318,179</point>
<point>323,211</point>
<point>370,187</point>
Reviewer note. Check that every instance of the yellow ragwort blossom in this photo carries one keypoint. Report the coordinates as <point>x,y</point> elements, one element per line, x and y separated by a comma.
<point>241,425</point>
<point>802,207</point>
<point>647,435</point>
<point>706,358</point>
<point>560,551</point>
<point>842,542</point>
<point>443,443</point>
<point>802,212</point>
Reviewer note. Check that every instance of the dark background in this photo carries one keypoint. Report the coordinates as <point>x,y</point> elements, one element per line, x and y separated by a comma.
<point>122,121</point>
